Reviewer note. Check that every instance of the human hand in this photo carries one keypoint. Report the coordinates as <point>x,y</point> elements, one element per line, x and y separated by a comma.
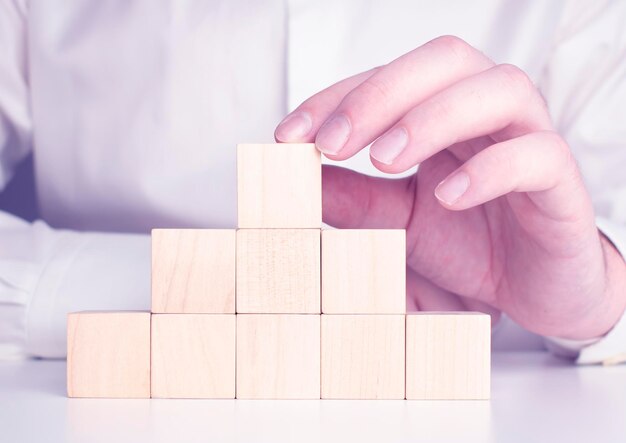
<point>497,215</point>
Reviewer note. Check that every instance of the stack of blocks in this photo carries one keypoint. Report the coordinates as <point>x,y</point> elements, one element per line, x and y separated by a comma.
<point>278,309</point>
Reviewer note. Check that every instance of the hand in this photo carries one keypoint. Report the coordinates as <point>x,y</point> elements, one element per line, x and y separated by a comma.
<point>497,215</point>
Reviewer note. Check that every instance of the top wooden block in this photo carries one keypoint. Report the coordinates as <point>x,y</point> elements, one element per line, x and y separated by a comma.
<point>279,186</point>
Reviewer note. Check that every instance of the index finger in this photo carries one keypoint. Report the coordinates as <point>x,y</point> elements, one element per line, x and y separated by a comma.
<point>301,125</point>
<point>384,97</point>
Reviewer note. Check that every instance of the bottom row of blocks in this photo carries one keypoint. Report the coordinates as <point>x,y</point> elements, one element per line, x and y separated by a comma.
<point>139,355</point>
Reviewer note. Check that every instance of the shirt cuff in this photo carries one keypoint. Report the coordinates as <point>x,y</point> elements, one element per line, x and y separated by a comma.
<point>92,271</point>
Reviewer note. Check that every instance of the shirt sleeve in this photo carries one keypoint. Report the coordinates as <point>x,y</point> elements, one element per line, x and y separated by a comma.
<point>45,273</point>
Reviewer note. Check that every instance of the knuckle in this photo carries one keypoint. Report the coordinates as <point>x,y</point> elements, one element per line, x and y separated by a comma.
<point>565,165</point>
<point>373,92</point>
<point>437,110</point>
<point>515,78</point>
<point>542,103</point>
<point>561,149</point>
<point>454,45</point>
<point>494,159</point>
<point>506,158</point>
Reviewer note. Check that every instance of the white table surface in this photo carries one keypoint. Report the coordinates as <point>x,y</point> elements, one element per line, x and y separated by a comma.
<point>535,398</point>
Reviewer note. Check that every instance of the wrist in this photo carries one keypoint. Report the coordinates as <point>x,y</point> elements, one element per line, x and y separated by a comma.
<point>605,305</point>
<point>612,302</point>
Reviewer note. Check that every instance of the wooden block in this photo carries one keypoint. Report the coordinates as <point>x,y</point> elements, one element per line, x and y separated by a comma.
<point>278,356</point>
<point>279,186</point>
<point>278,271</point>
<point>363,356</point>
<point>364,271</point>
<point>108,354</point>
<point>448,356</point>
<point>193,356</point>
<point>193,271</point>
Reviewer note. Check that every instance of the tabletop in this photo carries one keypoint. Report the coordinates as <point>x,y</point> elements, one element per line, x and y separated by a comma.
<point>535,397</point>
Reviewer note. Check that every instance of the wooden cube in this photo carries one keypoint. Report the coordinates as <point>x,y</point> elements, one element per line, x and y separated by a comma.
<point>279,186</point>
<point>363,356</point>
<point>278,356</point>
<point>108,354</point>
<point>193,271</point>
<point>193,355</point>
<point>278,271</point>
<point>448,356</point>
<point>364,271</point>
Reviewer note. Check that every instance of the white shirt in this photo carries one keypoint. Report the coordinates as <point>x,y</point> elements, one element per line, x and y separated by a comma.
<point>133,110</point>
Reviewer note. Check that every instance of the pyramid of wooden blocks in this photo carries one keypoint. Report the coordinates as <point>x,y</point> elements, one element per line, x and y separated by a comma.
<point>278,309</point>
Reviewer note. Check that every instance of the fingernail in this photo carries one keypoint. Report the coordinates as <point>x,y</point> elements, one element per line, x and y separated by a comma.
<point>333,135</point>
<point>452,188</point>
<point>387,148</point>
<point>294,127</point>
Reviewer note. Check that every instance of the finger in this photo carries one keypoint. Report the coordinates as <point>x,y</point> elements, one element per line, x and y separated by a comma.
<point>353,200</point>
<point>535,162</point>
<point>379,101</point>
<point>501,102</point>
<point>301,125</point>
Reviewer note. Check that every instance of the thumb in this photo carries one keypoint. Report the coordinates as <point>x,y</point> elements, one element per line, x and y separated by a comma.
<point>354,200</point>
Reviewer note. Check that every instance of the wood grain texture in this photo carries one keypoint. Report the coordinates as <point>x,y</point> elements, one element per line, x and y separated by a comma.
<point>279,186</point>
<point>278,356</point>
<point>193,271</point>
<point>448,356</point>
<point>108,354</point>
<point>364,271</point>
<point>278,271</point>
<point>363,356</point>
<point>193,355</point>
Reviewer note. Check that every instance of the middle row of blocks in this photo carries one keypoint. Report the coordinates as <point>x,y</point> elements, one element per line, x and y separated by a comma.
<point>278,271</point>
